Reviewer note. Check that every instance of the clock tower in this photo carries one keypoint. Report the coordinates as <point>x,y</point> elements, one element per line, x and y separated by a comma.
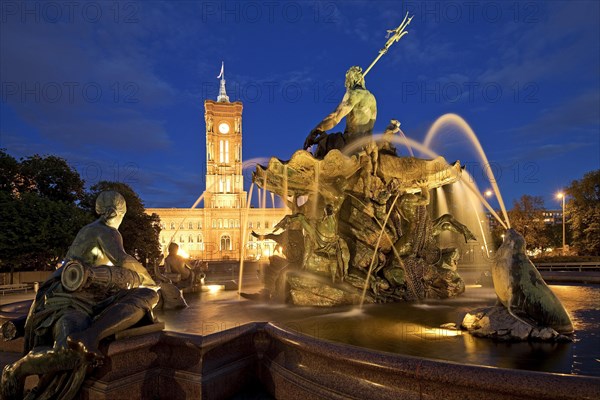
<point>224,180</point>
<point>214,232</point>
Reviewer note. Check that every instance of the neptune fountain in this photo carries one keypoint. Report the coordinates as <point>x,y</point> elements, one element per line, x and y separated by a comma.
<point>360,230</point>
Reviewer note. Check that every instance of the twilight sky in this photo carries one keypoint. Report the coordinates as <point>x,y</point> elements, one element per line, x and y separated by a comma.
<point>117,88</point>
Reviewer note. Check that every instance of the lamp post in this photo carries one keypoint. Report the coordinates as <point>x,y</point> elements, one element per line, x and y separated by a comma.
<point>561,195</point>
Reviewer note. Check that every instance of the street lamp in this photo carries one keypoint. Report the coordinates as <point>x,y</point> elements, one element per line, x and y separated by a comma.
<point>488,193</point>
<point>561,195</point>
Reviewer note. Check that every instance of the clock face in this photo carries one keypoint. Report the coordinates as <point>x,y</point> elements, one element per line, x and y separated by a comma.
<point>223,127</point>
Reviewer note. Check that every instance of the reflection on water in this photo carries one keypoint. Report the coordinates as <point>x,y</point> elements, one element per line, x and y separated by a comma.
<point>412,329</point>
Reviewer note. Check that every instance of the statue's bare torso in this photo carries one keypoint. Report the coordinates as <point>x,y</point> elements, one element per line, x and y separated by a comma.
<point>360,109</point>
<point>361,119</point>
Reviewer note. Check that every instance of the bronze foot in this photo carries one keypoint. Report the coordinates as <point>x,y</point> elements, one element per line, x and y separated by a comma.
<point>10,388</point>
<point>82,344</point>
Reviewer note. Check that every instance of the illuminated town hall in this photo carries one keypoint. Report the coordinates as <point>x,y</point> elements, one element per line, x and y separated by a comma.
<point>214,232</point>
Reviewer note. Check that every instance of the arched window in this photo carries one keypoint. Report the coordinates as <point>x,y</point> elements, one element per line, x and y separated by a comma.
<point>220,223</point>
<point>231,223</point>
<point>214,223</point>
<point>190,225</point>
<point>225,242</point>
<point>224,151</point>
<point>226,224</point>
<point>199,224</point>
<point>172,225</point>
<point>190,239</point>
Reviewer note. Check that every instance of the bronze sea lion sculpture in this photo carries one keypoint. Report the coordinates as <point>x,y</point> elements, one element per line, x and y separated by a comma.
<point>522,290</point>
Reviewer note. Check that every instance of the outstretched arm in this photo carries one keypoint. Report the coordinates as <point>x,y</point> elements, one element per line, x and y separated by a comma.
<point>330,121</point>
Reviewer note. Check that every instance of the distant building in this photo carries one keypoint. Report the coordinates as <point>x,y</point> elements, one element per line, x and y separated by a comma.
<point>215,231</point>
<point>551,217</point>
<point>492,221</point>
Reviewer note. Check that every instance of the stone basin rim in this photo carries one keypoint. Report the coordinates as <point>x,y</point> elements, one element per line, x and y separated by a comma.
<point>488,379</point>
<point>348,353</point>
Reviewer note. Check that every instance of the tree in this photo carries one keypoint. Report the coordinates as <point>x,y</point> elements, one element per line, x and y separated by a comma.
<point>583,211</point>
<point>50,177</point>
<point>36,232</point>
<point>140,231</point>
<point>39,217</point>
<point>553,234</point>
<point>9,172</point>
<point>526,218</point>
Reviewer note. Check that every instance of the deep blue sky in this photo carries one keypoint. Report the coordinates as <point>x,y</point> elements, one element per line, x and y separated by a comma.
<point>117,88</point>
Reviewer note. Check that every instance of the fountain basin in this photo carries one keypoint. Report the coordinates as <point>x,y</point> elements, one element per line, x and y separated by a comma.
<point>216,349</point>
<point>292,365</point>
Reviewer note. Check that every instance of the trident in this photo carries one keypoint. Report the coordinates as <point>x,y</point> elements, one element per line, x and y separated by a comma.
<point>396,34</point>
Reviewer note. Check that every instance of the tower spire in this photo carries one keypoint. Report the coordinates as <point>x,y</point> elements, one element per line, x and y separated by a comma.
<point>222,97</point>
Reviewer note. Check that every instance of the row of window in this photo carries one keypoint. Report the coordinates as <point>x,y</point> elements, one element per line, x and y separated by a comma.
<point>257,225</point>
<point>224,152</point>
<point>190,225</point>
<point>220,223</point>
<point>225,223</point>
<point>552,214</point>
<point>199,239</point>
<point>224,243</point>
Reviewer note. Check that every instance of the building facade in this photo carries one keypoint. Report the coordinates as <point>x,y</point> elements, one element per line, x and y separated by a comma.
<point>222,228</point>
<point>550,217</point>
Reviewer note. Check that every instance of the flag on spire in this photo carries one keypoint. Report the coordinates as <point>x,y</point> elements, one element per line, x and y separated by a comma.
<point>222,97</point>
<point>221,75</point>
